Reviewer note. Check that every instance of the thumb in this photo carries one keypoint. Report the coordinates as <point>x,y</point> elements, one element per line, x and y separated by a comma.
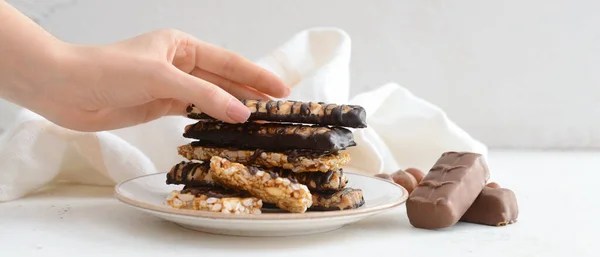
<point>208,97</point>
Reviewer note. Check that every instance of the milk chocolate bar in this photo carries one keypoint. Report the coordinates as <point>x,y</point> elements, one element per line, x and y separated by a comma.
<point>494,207</point>
<point>447,191</point>
<point>298,112</point>
<point>191,174</point>
<point>270,136</point>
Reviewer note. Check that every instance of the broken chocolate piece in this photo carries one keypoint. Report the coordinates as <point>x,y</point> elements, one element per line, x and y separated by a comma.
<point>318,113</point>
<point>494,207</point>
<point>447,191</point>
<point>348,198</point>
<point>269,136</point>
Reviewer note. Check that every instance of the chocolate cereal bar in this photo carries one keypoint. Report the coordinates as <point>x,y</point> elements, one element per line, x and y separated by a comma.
<point>270,188</point>
<point>346,199</point>
<point>294,160</point>
<point>269,136</point>
<point>214,199</point>
<point>298,112</point>
<point>315,181</point>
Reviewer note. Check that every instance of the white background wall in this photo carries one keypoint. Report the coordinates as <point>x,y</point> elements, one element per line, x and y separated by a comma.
<point>534,64</point>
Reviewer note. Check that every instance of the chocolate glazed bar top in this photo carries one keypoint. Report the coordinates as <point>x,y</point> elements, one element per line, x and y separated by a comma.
<point>494,207</point>
<point>298,112</point>
<point>447,191</point>
<point>270,136</point>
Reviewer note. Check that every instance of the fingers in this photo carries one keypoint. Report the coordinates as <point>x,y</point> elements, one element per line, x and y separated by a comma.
<point>236,68</point>
<point>210,98</point>
<point>237,90</point>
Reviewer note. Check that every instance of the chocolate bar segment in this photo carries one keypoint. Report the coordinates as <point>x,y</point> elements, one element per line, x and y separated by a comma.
<point>318,113</point>
<point>447,191</point>
<point>270,136</point>
<point>190,174</point>
<point>494,207</point>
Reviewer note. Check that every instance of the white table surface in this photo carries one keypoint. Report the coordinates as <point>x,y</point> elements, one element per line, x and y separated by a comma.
<point>557,193</point>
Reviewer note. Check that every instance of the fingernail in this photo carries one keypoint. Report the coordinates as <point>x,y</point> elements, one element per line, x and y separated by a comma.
<point>237,111</point>
<point>289,91</point>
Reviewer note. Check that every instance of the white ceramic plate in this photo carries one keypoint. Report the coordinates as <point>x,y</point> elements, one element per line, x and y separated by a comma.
<point>148,193</point>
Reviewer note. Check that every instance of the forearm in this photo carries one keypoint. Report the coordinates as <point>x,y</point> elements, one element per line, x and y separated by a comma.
<point>28,54</point>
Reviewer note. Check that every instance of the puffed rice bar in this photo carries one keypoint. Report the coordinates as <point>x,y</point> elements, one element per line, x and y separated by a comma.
<point>348,198</point>
<point>214,199</point>
<point>194,174</point>
<point>286,195</point>
<point>291,160</point>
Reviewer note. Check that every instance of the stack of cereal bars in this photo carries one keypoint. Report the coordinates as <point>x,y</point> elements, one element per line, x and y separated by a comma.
<point>288,155</point>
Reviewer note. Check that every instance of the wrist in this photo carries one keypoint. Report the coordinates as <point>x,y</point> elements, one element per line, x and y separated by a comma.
<point>34,70</point>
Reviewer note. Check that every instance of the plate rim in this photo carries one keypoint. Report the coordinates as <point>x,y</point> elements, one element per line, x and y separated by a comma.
<point>163,209</point>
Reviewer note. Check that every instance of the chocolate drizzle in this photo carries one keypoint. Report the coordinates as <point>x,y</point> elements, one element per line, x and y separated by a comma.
<point>326,178</point>
<point>186,173</point>
<point>253,170</point>
<point>255,155</point>
<point>304,109</point>
<point>268,107</point>
<point>190,169</point>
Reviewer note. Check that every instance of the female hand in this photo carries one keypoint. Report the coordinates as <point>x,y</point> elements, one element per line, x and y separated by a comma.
<point>93,88</point>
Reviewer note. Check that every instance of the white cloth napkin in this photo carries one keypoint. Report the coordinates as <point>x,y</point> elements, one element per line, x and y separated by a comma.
<point>403,130</point>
